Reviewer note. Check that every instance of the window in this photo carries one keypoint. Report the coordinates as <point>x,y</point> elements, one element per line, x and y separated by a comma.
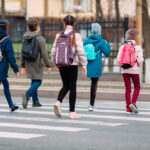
<point>68,5</point>
<point>86,5</point>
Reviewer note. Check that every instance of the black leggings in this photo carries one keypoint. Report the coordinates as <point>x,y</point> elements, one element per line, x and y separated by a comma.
<point>94,83</point>
<point>69,79</point>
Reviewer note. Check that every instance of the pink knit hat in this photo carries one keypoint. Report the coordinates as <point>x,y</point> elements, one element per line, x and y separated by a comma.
<point>131,34</point>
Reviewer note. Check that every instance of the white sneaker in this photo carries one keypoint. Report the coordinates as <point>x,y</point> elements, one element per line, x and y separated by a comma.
<point>74,115</point>
<point>57,109</point>
<point>91,108</point>
<point>134,108</point>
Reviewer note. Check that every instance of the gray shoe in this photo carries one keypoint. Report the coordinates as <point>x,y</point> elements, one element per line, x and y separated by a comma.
<point>25,100</point>
<point>133,108</point>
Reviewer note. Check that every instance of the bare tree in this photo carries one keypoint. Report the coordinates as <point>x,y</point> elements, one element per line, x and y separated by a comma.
<point>146,28</point>
<point>109,8</point>
<point>3,8</point>
<point>117,9</point>
<point>99,11</point>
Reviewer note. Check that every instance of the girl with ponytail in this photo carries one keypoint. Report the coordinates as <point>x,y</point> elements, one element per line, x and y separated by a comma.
<point>69,73</point>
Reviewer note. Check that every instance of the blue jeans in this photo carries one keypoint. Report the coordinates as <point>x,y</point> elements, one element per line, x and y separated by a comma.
<point>33,90</point>
<point>7,93</point>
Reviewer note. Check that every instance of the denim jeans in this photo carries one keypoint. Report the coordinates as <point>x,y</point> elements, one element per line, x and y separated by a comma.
<point>7,92</point>
<point>33,90</point>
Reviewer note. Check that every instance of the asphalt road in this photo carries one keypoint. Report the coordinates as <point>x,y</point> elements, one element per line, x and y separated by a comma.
<point>109,127</point>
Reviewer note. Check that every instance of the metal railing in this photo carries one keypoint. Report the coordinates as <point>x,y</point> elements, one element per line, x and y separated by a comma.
<point>112,30</point>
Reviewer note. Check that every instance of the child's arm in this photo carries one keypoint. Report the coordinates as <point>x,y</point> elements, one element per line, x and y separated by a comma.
<point>10,56</point>
<point>105,47</point>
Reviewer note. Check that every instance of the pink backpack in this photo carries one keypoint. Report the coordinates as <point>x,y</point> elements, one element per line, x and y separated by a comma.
<point>128,56</point>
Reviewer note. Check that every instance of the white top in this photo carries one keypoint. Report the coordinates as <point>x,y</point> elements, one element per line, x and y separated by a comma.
<point>80,55</point>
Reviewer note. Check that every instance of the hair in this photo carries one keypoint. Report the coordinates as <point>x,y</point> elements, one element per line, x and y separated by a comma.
<point>69,20</point>
<point>33,24</point>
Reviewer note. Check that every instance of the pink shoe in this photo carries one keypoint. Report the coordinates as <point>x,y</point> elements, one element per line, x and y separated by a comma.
<point>74,115</point>
<point>57,109</point>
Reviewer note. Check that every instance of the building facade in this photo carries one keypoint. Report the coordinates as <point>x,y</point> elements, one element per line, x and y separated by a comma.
<point>60,8</point>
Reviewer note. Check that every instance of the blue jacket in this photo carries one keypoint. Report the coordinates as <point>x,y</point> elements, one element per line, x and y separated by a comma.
<point>94,68</point>
<point>8,57</point>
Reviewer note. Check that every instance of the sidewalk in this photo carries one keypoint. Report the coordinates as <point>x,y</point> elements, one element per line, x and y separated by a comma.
<point>107,90</point>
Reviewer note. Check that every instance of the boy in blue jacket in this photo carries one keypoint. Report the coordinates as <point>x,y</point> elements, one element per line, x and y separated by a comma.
<point>6,58</point>
<point>94,67</point>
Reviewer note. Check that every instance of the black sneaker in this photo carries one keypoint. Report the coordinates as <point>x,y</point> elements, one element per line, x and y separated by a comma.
<point>36,104</point>
<point>14,108</point>
<point>25,99</point>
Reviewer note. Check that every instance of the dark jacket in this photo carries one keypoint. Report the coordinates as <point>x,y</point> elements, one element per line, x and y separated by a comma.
<point>8,57</point>
<point>94,68</point>
<point>35,69</point>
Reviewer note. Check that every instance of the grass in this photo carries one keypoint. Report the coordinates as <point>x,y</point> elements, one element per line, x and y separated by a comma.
<point>18,45</point>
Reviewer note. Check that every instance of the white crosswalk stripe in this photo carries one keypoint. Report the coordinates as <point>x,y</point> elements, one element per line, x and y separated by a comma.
<point>109,114</point>
<point>19,135</point>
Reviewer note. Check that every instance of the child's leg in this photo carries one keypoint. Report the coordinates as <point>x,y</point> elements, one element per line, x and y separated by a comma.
<point>136,82</point>
<point>35,84</point>
<point>7,93</point>
<point>127,82</point>
<point>64,77</point>
<point>94,82</point>
<point>35,98</point>
<point>72,76</point>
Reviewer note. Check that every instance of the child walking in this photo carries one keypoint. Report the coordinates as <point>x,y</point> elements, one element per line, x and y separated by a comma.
<point>94,67</point>
<point>6,58</point>
<point>32,64</point>
<point>68,72</point>
<point>131,73</point>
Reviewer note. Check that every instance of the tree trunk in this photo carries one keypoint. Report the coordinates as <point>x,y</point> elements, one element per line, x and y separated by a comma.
<point>3,9</point>
<point>146,33</point>
<point>109,8</point>
<point>117,9</point>
<point>99,11</point>
<point>146,28</point>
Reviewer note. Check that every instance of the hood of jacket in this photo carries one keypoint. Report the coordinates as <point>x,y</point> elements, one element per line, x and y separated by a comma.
<point>29,35</point>
<point>2,34</point>
<point>94,39</point>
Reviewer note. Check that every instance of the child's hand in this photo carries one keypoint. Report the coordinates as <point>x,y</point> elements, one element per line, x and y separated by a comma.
<point>23,71</point>
<point>84,71</point>
<point>49,70</point>
<point>57,68</point>
<point>17,74</point>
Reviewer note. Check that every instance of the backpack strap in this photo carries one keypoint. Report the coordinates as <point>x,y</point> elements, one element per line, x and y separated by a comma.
<point>3,39</point>
<point>1,43</point>
<point>98,52</point>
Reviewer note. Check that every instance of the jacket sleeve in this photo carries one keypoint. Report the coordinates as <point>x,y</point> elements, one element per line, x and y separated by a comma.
<point>10,55</point>
<point>105,47</point>
<point>140,58</point>
<point>53,50</point>
<point>42,46</point>
<point>80,50</point>
<point>22,61</point>
<point>119,54</point>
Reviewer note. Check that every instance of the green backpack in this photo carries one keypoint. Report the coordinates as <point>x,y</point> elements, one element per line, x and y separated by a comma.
<point>90,52</point>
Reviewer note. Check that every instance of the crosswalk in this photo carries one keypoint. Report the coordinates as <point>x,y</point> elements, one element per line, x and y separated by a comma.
<point>36,122</point>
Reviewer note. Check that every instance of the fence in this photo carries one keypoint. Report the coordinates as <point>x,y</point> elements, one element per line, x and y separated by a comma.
<point>112,30</point>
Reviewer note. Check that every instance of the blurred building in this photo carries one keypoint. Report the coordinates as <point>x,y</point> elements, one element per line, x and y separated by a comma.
<point>59,8</point>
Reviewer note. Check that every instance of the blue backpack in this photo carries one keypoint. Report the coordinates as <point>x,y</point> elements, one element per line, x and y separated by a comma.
<point>90,52</point>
